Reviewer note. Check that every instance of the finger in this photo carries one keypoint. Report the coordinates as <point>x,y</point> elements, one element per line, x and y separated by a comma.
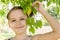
<point>37,2</point>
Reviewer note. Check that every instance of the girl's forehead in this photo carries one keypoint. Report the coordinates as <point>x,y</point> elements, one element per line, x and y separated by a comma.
<point>17,13</point>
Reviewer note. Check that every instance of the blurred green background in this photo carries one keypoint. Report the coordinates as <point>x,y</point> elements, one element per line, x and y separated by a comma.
<point>51,6</point>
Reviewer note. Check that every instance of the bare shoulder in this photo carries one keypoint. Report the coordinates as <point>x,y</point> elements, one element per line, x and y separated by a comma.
<point>47,36</point>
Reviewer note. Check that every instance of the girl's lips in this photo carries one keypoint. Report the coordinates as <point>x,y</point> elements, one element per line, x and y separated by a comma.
<point>19,27</point>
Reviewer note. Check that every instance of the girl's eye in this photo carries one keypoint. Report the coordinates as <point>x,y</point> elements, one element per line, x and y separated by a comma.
<point>22,19</point>
<point>13,20</point>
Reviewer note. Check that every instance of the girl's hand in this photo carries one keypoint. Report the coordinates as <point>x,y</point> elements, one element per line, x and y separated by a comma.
<point>39,6</point>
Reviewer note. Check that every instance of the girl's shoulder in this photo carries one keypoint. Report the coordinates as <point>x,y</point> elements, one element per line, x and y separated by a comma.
<point>28,38</point>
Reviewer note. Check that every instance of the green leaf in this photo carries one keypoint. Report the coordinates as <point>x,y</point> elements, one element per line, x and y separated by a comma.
<point>56,10</point>
<point>32,30</point>
<point>35,26</point>
<point>34,10</point>
<point>32,1</point>
<point>54,1</point>
<point>40,0</point>
<point>49,2</point>
<point>39,23</point>
<point>30,21</point>
<point>2,13</point>
<point>57,1</point>
<point>5,1</point>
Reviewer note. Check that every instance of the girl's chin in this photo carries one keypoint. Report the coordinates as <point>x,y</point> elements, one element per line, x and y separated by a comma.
<point>19,32</point>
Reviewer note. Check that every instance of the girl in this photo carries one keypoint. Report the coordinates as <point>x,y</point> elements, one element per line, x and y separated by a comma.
<point>17,21</point>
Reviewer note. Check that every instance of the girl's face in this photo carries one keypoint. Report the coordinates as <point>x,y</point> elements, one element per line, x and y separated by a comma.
<point>17,21</point>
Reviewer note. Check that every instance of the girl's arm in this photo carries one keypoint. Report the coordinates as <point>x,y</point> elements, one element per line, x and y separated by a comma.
<point>55,34</point>
<point>53,22</point>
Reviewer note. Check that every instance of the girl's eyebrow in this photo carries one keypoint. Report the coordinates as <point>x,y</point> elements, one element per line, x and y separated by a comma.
<point>22,17</point>
<point>11,18</point>
<point>19,17</point>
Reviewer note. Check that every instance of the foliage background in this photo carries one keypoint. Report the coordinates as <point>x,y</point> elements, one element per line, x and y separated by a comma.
<point>51,6</point>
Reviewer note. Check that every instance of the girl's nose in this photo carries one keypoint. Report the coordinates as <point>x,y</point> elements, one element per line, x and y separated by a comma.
<point>18,23</point>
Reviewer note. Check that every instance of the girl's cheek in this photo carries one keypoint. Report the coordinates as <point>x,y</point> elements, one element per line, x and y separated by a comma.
<point>23,22</point>
<point>12,25</point>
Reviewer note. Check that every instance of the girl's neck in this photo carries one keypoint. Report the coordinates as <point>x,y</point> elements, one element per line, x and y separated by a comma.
<point>20,36</point>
